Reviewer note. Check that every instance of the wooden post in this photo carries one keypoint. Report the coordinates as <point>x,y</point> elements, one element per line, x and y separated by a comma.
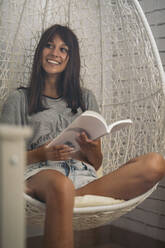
<point>12,163</point>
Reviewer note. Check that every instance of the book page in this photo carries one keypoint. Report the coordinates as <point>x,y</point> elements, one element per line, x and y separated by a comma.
<point>118,125</point>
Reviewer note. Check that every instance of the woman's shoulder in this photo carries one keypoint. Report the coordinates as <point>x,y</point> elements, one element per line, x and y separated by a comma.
<point>90,100</point>
<point>16,98</point>
<point>14,108</point>
<point>18,94</point>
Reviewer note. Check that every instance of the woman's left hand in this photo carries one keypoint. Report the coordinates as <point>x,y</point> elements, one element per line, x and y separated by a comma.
<point>90,150</point>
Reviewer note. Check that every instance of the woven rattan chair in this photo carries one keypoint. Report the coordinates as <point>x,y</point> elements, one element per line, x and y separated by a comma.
<point>120,63</point>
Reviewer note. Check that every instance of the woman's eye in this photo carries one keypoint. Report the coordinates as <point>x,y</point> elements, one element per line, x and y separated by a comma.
<point>64,50</point>
<point>50,46</point>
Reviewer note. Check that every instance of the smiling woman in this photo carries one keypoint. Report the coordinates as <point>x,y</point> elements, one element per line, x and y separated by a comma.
<point>56,69</point>
<point>56,174</point>
<point>53,99</point>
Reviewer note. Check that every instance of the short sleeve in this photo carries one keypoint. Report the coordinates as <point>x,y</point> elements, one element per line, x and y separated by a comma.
<point>13,109</point>
<point>90,100</point>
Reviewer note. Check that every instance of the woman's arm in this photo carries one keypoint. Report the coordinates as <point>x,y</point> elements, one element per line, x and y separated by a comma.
<point>90,151</point>
<point>36,155</point>
<point>43,153</point>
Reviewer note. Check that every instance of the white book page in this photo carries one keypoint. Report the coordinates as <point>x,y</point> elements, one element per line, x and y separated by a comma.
<point>118,125</point>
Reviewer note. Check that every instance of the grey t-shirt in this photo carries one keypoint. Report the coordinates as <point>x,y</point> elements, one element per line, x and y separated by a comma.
<point>47,125</point>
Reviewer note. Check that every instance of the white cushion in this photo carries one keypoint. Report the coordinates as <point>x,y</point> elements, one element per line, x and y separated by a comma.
<point>94,200</point>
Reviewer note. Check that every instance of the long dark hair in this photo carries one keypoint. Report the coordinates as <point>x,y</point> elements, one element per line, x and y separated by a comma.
<point>69,86</point>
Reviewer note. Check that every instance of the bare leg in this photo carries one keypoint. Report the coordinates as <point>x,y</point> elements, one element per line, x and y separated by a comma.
<point>130,180</point>
<point>57,191</point>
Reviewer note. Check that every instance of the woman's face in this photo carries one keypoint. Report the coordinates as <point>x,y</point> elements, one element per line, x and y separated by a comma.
<point>55,56</point>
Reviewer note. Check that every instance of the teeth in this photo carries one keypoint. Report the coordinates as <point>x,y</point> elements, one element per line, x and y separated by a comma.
<point>53,62</point>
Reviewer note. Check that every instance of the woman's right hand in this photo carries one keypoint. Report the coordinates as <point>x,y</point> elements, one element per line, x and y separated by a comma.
<point>54,153</point>
<point>58,152</point>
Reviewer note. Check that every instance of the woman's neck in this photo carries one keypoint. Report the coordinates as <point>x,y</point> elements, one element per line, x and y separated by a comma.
<point>51,87</point>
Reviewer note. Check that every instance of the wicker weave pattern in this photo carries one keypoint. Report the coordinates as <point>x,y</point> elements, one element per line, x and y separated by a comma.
<point>87,217</point>
<point>119,64</point>
<point>132,87</point>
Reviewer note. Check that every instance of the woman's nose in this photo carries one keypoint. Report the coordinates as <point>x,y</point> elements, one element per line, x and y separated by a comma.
<point>55,52</point>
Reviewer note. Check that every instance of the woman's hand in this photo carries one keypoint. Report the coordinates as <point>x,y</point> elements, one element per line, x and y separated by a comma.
<point>90,150</point>
<point>54,153</point>
<point>58,152</point>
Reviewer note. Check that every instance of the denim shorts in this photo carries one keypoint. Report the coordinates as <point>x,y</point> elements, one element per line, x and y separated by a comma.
<point>78,172</point>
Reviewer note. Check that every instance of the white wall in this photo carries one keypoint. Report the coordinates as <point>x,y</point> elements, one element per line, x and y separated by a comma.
<point>149,218</point>
<point>155,13</point>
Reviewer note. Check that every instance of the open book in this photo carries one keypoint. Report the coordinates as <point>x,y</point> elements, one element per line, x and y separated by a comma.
<point>90,122</point>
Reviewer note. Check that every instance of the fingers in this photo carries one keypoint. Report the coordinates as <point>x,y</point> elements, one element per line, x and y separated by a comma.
<point>59,152</point>
<point>84,140</point>
<point>62,148</point>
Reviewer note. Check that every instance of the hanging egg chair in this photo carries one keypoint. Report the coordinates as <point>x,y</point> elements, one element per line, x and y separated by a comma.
<point>119,62</point>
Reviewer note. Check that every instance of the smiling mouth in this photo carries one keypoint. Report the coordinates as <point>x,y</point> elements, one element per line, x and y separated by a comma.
<point>53,62</point>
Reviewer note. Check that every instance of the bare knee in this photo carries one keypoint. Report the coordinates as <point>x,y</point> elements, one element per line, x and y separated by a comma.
<point>155,165</point>
<point>59,188</point>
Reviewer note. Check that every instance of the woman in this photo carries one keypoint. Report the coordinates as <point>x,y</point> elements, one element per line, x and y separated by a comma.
<point>55,175</point>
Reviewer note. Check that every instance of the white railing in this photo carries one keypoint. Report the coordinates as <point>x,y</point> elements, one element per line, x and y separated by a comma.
<point>12,162</point>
